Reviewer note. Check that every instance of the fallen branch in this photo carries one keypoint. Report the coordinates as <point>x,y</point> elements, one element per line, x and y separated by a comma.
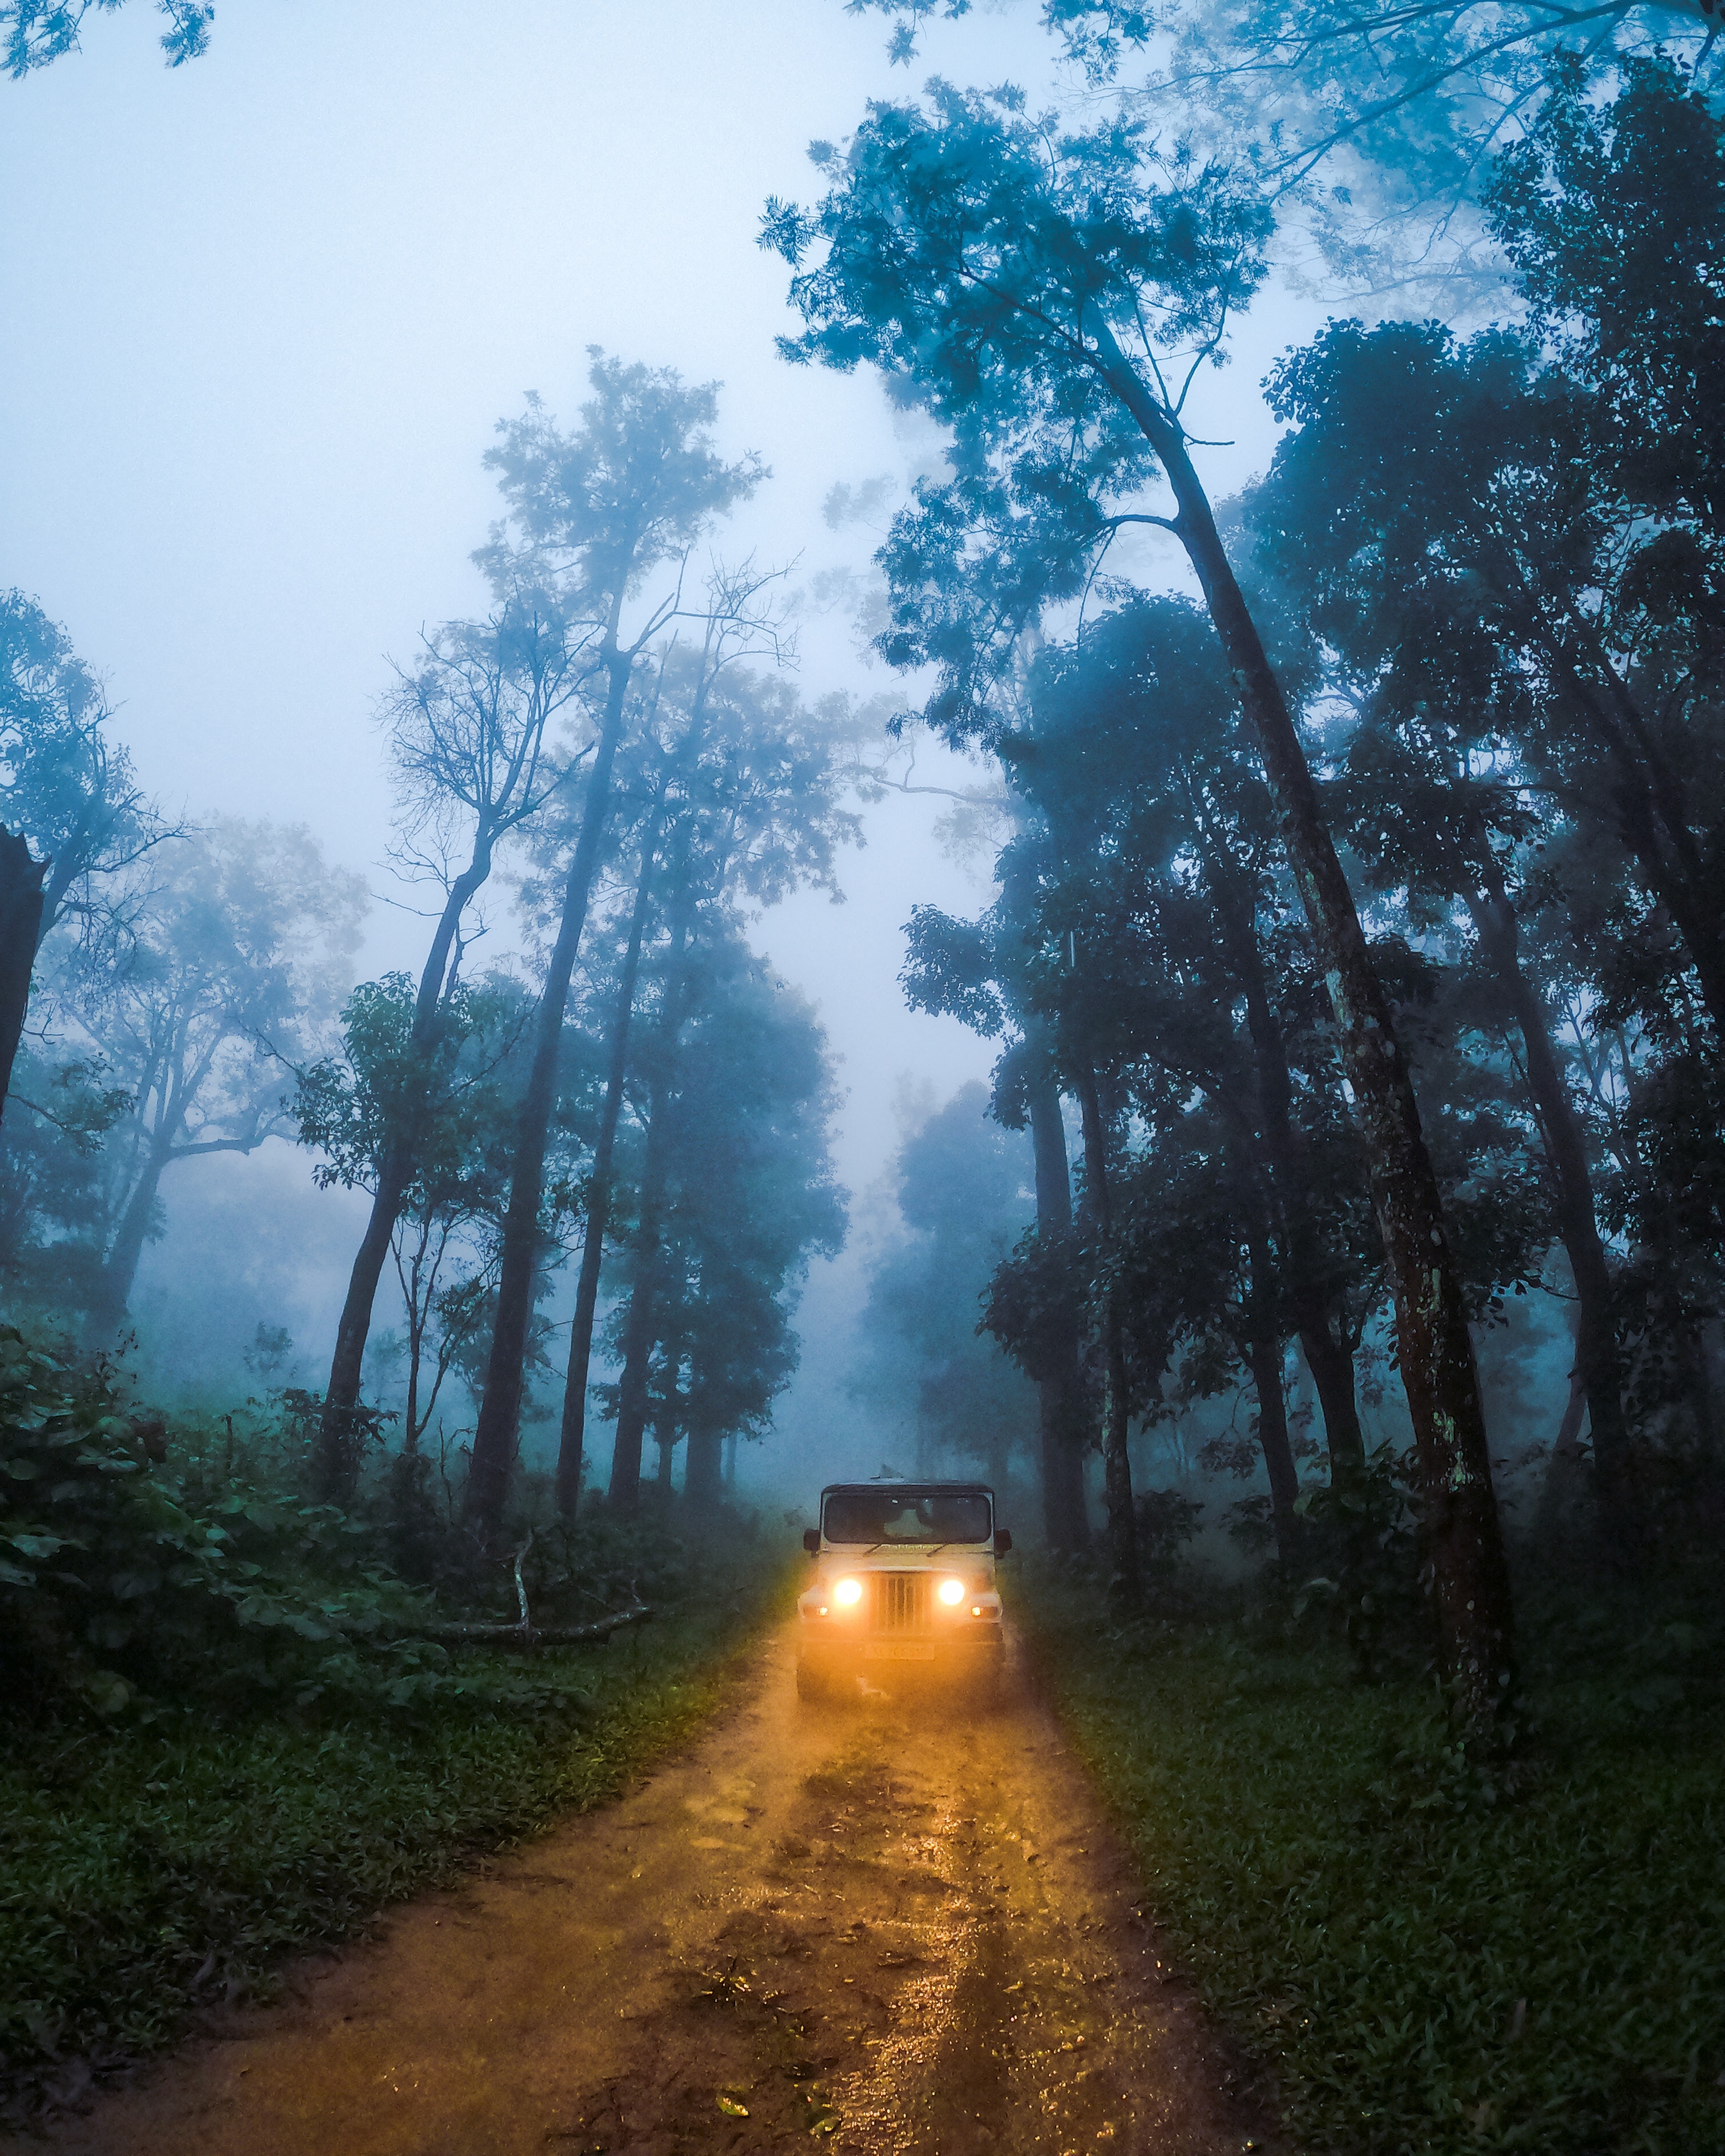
<point>525,1636</point>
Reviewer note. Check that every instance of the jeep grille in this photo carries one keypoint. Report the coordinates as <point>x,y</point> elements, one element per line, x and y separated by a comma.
<point>899,1602</point>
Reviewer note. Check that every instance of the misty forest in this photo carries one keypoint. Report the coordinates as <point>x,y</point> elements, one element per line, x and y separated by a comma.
<point>1052,817</point>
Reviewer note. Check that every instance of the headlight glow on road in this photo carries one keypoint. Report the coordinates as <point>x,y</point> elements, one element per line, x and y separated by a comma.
<point>847,1592</point>
<point>951,1592</point>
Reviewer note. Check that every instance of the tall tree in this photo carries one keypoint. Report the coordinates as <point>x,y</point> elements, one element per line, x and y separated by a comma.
<point>596,513</point>
<point>352,1109</point>
<point>963,1196</point>
<point>240,956</point>
<point>991,267</point>
<point>975,971</point>
<point>752,813</point>
<point>68,792</point>
<point>66,786</point>
<point>573,1433</point>
<point>1369,126</point>
<point>748,1198</point>
<point>467,737</point>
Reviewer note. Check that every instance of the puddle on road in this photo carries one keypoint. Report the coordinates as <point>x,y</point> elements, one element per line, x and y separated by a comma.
<point>888,1929</point>
<point>926,1966</point>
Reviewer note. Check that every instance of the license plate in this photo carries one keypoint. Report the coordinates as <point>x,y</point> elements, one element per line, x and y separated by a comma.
<point>899,1651</point>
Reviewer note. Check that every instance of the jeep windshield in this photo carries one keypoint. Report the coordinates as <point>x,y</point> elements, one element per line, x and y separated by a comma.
<point>901,1517</point>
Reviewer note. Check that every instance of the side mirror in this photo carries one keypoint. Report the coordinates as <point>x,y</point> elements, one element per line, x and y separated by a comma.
<point>811,1540</point>
<point>1003,1541</point>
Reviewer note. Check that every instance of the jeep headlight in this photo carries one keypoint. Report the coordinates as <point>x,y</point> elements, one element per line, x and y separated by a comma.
<point>848,1594</point>
<point>951,1592</point>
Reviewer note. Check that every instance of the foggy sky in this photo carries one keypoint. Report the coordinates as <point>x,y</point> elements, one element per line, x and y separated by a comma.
<point>263,312</point>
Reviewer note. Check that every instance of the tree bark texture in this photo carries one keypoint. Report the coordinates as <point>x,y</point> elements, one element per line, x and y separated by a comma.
<point>1331,1363</point>
<point>336,1454</point>
<point>20,927</point>
<point>495,1433</point>
<point>573,1437</point>
<point>1059,1390</point>
<point>1466,1563</point>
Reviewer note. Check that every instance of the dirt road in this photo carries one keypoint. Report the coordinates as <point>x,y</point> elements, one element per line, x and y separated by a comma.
<point>881,1927</point>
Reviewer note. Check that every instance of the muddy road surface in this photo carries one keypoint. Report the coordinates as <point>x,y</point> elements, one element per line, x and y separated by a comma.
<point>880,1927</point>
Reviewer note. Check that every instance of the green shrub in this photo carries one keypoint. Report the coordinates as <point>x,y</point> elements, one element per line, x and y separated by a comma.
<point>1435,1952</point>
<point>150,1867</point>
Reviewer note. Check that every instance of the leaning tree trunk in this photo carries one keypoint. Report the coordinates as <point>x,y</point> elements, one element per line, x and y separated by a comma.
<point>573,1437</point>
<point>1599,1354</point>
<point>20,925</point>
<point>1117,1458</point>
<point>336,1448</point>
<point>1059,1385</point>
<point>494,1434</point>
<point>1463,1534</point>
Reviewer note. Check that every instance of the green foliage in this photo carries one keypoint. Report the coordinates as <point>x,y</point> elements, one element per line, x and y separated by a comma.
<point>224,1749</point>
<point>153,1867</point>
<point>122,1577</point>
<point>984,260</point>
<point>36,32</point>
<point>1435,1951</point>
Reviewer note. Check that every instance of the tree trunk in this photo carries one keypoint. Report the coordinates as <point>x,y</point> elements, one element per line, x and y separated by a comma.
<point>1598,1354</point>
<point>1264,1358</point>
<point>1564,1469</point>
<point>625,1485</point>
<point>495,1435</point>
<point>1650,792</point>
<point>395,1176</point>
<point>1331,1363</point>
<point>410,1413</point>
<point>120,1272</point>
<point>20,925</point>
<point>1265,1361</point>
<point>573,1435</point>
<point>1060,1390</point>
<point>1116,1459</point>
<point>632,1390</point>
<point>1463,1535</point>
<point>701,1470</point>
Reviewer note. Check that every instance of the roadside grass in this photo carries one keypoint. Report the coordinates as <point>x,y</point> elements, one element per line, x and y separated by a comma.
<point>1433,1954</point>
<point>151,1865</point>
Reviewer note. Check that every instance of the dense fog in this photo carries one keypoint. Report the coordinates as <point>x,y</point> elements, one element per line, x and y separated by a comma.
<point>321,342</point>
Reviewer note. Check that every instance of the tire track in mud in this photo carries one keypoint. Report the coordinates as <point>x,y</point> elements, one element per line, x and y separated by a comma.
<point>886,1928</point>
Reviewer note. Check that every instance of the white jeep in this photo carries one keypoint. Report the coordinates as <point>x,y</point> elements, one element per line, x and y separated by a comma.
<point>903,1583</point>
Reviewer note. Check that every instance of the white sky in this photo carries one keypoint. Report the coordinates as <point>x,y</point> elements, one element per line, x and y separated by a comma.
<point>262,311</point>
